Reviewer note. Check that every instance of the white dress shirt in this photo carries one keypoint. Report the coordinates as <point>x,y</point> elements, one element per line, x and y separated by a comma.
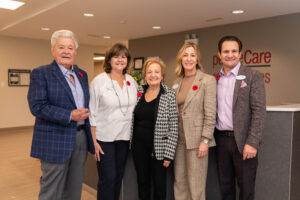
<point>112,121</point>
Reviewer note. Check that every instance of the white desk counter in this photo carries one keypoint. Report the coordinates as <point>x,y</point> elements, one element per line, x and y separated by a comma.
<point>290,107</point>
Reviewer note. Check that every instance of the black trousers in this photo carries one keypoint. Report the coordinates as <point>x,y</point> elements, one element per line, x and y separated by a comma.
<point>231,167</point>
<point>149,169</point>
<point>111,169</point>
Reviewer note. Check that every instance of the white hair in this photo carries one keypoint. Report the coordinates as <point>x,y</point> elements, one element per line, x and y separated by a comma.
<point>63,34</point>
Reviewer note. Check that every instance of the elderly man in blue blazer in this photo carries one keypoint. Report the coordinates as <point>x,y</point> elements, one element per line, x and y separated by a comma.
<point>58,97</point>
<point>241,112</point>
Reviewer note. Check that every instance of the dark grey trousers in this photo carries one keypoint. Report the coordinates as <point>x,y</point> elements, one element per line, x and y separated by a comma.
<point>63,181</point>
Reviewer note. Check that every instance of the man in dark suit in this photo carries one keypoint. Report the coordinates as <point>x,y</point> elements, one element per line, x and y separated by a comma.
<point>58,97</point>
<point>241,111</point>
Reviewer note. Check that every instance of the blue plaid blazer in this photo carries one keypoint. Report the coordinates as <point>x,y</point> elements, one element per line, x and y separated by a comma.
<point>51,102</point>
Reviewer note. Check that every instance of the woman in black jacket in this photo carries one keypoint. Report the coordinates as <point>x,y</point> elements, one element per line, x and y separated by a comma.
<point>155,131</point>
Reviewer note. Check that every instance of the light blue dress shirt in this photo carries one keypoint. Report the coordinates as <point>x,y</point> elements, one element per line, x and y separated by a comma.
<point>76,88</point>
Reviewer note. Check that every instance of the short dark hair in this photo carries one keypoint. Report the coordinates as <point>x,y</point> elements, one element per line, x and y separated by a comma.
<point>116,50</point>
<point>230,38</point>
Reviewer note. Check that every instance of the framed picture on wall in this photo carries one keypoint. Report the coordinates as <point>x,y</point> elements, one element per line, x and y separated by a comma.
<point>138,62</point>
<point>18,77</point>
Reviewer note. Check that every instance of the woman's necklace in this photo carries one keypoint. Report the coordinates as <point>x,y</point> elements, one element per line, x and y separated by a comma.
<point>123,112</point>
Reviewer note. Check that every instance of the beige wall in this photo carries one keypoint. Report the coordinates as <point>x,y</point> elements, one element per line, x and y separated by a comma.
<point>279,35</point>
<point>20,53</point>
<point>98,68</point>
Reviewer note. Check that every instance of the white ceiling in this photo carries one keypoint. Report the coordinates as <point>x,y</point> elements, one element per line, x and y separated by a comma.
<point>140,16</point>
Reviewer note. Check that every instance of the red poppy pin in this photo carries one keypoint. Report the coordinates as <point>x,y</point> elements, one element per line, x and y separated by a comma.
<point>217,76</point>
<point>128,83</point>
<point>139,94</point>
<point>80,74</point>
<point>195,87</point>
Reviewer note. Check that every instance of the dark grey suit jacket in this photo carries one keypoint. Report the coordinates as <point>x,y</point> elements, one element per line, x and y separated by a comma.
<point>249,109</point>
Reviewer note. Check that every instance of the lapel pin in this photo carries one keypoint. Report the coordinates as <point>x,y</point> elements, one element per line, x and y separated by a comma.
<point>195,87</point>
<point>80,74</point>
<point>139,94</point>
<point>175,86</point>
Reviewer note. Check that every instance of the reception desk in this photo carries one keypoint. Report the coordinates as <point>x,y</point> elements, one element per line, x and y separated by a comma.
<point>278,174</point>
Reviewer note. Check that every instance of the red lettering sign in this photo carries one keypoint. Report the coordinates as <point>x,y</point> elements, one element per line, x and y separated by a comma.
<point>250,58</point>
<point>253,59</point>
<point>216,61</point>
<point>267,77</point>
<point>256,58</point>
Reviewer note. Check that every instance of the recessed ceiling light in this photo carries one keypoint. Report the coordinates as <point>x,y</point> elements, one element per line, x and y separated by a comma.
<point>88,14</point>
<point>11,5</point>
<point>156,27</point>
<point>99,58</point>
<point>123,22</point>
<point>45,29</point>
<point>106,37</point>
<point>237,12</point>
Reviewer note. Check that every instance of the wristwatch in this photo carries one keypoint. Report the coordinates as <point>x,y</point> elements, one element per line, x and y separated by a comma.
<point>205,141</point>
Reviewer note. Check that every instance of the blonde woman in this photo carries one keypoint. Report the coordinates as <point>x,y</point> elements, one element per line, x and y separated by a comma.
<point>196,101</point>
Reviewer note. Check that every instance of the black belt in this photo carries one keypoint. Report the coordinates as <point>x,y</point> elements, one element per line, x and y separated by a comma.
<point>226,132</point>
<point>80,127</point>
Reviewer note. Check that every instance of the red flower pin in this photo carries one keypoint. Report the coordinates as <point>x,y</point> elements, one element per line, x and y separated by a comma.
<point>80,74</point>
<point>217,76</point>
<point>139,94</point>
<point>195,87</point>
<point>128,83</point>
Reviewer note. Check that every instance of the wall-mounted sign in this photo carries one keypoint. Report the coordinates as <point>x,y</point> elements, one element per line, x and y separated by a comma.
<point>249,58</point>
<point>18,77</point>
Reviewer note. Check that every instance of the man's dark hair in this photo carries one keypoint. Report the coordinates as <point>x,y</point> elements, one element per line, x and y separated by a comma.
<point>230,38</point>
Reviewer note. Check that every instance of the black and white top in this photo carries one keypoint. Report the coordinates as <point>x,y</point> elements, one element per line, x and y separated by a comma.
<point>165,122</point>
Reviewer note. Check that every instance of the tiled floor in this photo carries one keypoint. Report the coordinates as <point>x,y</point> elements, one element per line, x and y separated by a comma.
<point>19,173</point>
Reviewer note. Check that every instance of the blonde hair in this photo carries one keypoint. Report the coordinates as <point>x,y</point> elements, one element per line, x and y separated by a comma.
<point>179,71</point>
<point>151,61</point>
